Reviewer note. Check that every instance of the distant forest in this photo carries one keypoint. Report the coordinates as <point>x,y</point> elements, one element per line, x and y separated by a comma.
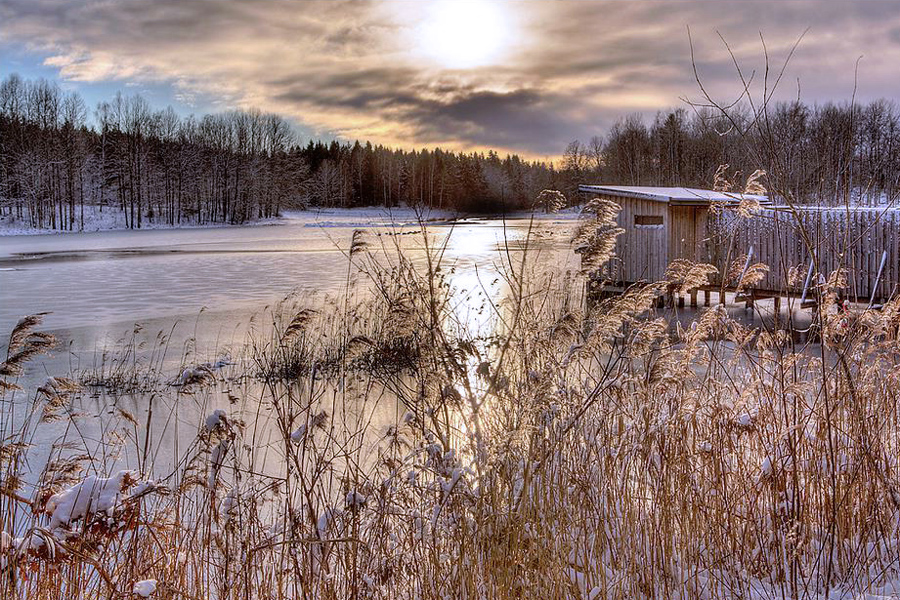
<point>242,165</point>
<point>825,154</point>
<point>226,168</point>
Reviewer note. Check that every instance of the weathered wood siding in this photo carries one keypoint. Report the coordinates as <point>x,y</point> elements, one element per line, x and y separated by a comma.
<point>687,233</point>
<point>641,252</point>
<point>851,240</point>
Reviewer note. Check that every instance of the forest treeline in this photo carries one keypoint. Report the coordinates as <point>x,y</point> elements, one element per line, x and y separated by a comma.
<point>157,166</point>
<point>57,156</point>
<point>823,154</point>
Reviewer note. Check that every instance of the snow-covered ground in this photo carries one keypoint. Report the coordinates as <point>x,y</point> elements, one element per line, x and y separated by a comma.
<point>107,219</point>
<point>112,219</point>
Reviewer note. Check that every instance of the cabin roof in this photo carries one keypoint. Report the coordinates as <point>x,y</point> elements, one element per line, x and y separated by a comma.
<point>671,195</point>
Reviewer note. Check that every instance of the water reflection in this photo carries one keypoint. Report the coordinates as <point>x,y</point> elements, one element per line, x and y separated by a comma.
<point>199,296</point>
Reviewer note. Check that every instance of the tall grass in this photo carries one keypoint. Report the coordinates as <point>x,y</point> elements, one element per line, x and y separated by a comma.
<point>384,448</point>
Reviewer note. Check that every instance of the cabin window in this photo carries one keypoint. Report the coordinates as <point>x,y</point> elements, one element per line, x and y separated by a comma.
<point>648,220</point>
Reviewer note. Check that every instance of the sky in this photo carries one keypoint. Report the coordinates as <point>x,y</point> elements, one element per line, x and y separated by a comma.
<point>522,76</point>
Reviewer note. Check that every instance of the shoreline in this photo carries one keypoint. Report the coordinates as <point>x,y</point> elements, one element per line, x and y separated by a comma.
<point>366,216</point>
<point>102,225</point>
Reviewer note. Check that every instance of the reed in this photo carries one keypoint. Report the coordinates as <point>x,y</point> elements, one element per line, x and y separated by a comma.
<point>382,447</point>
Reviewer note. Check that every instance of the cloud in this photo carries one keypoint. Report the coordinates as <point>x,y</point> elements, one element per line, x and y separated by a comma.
<point>355,68</point>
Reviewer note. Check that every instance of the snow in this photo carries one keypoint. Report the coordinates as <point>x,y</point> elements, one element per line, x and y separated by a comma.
<point>144,588</point>
<point>744,420</point>
<point>299,434</point>
<point>142,488</point>
<point>369,217</point>
<point>107,219</point>
<point>194,375</point>
<point>836,210</point>
<point>315,421</point>
<point>217,459</point>
<point>228,507</point>
<point>112,219</point>
<point>670,194</point>
<point>218,418</point>
<point>326,520</point>
<point>92,496</point>
<point>355,500</point>
<point>34,542</point>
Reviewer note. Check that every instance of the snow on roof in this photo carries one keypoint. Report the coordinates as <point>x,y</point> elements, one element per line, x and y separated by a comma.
<point>672,195</point>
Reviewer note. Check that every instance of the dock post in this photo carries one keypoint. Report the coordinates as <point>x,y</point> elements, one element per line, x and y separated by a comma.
<point>884,256</point>
<point>777,310</point>
<point>749,303</point>
<point>694,298</point>
<point>706,296</point>
<point>680,301</point>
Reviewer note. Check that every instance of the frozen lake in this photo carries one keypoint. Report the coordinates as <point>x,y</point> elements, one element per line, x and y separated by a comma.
<point>202,287</point>
<point>207,283</point>
<point>208,289</point>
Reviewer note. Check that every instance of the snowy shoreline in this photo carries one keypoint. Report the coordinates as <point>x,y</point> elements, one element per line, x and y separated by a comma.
<point>372,216</point>
<point>111,219</point>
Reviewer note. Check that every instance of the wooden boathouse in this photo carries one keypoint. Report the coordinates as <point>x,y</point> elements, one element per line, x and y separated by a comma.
<point>662,224</point>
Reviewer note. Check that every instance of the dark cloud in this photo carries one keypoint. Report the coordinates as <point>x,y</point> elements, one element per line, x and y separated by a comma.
<point>543,123</point>
<point>571,69</point>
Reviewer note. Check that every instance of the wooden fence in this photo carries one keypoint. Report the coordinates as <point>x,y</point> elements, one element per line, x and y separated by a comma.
<point>862,241</point>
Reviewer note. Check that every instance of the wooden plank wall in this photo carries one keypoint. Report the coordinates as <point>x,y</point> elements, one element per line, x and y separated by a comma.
<point>641,252</point>
<point>687,232</point>
<point>851,240</point>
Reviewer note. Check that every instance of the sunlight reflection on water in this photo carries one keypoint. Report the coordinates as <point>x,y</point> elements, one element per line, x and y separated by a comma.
<point>206,289</point>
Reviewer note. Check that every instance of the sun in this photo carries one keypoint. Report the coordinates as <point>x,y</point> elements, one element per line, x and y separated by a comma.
<point>464,34</point>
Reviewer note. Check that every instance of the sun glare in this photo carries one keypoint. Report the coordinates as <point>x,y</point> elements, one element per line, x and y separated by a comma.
<point>463,34</point>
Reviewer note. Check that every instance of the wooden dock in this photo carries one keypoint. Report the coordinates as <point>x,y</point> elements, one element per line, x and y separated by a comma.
<point>800,246</point>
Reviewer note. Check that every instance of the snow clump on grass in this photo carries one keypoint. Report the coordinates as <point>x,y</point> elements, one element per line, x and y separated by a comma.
<point>355,500</point>
<point>145,588</point>
<point>92,496</point>
<point>316,421</point>
<point>216,420</point>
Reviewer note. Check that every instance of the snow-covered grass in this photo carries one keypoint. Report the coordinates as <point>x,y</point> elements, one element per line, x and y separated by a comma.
<point>554,453</point>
